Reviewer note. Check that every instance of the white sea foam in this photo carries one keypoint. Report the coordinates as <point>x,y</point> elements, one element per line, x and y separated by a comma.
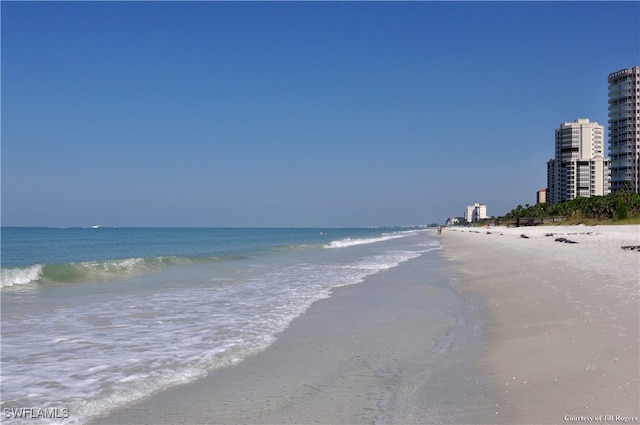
<point>347,242</point>
<point>20,276</point>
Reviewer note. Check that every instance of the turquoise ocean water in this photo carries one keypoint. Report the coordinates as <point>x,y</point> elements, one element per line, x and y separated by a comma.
<point>93,319</point>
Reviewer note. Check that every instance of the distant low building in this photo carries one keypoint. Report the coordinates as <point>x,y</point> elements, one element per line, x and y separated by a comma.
<point>541,196</point>
<point>453,221</point>
<point>475,213</point>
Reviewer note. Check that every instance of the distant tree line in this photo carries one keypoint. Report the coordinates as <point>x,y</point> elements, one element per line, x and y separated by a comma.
<point>621,205</point>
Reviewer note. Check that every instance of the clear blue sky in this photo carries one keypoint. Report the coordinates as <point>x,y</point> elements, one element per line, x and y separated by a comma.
<point>293,113</point>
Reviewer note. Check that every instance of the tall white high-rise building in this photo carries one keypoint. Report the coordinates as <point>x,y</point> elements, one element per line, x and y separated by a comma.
<point>579,167</point>
<point>624,129</point>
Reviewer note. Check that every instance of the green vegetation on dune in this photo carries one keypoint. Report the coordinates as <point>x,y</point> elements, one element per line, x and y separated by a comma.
<point>622,207</point>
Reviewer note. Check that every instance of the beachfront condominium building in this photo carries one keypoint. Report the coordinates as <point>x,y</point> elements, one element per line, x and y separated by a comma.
<point>541,196</point>
<point>624,129</point>
<point>579,167</point>
<point>475,213</point>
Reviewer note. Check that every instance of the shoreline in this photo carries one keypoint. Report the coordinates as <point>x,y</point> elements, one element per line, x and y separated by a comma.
<point>367,354</point>
<point>564,343</point>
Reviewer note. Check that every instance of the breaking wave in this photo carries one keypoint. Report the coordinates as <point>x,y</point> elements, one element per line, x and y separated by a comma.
<point>362,241</point>
<point>89,270</point>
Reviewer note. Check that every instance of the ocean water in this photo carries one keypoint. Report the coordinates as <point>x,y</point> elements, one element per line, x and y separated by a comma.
<point>93,319</point>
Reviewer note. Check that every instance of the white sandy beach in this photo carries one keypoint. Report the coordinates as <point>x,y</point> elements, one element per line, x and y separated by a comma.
<point>564,319</point>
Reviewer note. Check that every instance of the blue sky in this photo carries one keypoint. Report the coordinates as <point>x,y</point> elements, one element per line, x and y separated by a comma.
<point>293,113</point>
